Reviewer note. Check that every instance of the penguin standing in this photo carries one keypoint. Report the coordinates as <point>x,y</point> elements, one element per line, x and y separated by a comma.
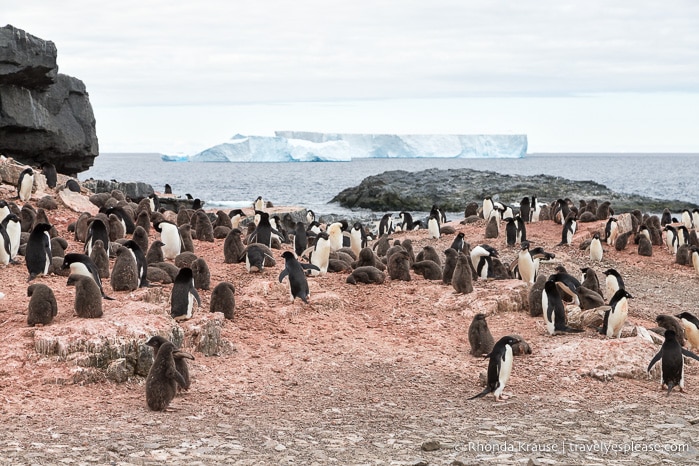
<point>479,336</point>
<point>171,238</point>
<point>525,209</point>
<point>510,231</point>
<point>97,229</point>
<point>695,258</point>
<point>183,295</point>
<point>671,239</point>
<point>25,183</point>
<point>613,282</point>
<point>141,262</point>
<point>163,379</point>
<point>5,246</point>
<point>81,264</point>
<point>124,276</point>
<point>687,220</point>
<point>385,225</point>
<point>499,368</point>
<point>462,278</point>
<point>615,316</point>
<point>569,228</point>
<point>487,207</point>
<point>297,276</point>
<point>264,232</point>
<point>259,204</point>
<point>521,229</point>
<point>300,238</point>
<point>458,243</point>
<point>596,250</point>
<point>691,328</point>
<point>88,304</point>
<point>535,210</point>
<point>554,310</point>
<point>672,365</point>
<point>320,257</point>
<point>407,223</point>
<point>223,300</point>
<point>335,236</point>
<point>358,239</point>
<point>38,252</point>
<point>42,305</point>
<point>611,230</point>
<point>526,264</point>
<point>180,357</point>
<point>49,171</point>
<point>433,226</point>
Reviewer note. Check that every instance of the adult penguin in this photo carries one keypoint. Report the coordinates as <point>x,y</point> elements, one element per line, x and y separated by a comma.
<point>300,238</point>
<point>458,243</point>
<point>25,183</point>
<point>487,207</point>
<point>510,231</point>
<point>123,216</point>
<point>671,239</point>
<point>320,256</point>
<point>613,282</point>
<point>81,264</point>
<point>183,295</point>
<point>433,226</point>
<point>38,251</point>
<point>141,262</point>
<point>526,264</point>
<point>481,258</point>
<point>171,238</point>
<point>525,209</point>
<point>615,316</point>
<point>672,365</point>
<point>499,368</point>
<point>49,171</point>
<point>97,229</point>
<point>13,226</point>
<point>5,246</point>
<point>596,250</point>
<point>407,223</point>
<point>611,230</point>
<point>264,231</point>
<point>385,225</point>
<point>358,238</point>
<point>569,228</point>
<point>554,310</point>
<point>295,270</point>
<point>691,328</point>
<point>535,210</point>
<point>521,229</point>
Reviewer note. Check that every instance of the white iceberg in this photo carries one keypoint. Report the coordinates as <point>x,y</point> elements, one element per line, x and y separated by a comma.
<point>298,146</point>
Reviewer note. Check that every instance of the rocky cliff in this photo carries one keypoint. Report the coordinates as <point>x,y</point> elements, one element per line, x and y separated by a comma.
<point>44,116</point>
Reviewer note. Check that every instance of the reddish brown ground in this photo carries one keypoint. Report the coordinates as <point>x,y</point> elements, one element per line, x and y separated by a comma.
<point>363,375</point>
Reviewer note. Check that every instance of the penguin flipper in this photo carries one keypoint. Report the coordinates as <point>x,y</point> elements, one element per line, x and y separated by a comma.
<point>481,394</point>
<point>196,295</point>
<point>655,359</point>
<point>689,354</point>
<point>310,266</point>
<point>283,274</point>
<point>107,297</point>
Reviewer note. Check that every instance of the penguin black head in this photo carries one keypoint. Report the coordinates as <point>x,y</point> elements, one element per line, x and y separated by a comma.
<point>525,245</point>
<point>155,341</point>
<point>670,335</point>
<point>509,340</point>
<point>287,255</point>
<point>595,236</point>
<point>689,317</point>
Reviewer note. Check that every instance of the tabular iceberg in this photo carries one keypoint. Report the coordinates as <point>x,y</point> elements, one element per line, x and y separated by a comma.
<point>293,146</point>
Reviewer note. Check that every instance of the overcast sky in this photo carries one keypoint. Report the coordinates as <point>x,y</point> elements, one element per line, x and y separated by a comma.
<point>575,76</point>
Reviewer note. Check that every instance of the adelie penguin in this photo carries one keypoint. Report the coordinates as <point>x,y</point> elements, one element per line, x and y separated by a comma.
<point>554,310</point>
<point>141,262</point>
<point>81,264</point>
<point>691,328</point>
<point>25,183</point>
<point>458,243</point>
<point>38,252</point>
<point>615,316</point>
<point>672,365</point>
<point>499,368</point>
<point>5,246</point>
<point>385,225</point>
<point>163,379</point>
<point>569,228</point>
<point>596,250</point>
<point>613,282</point>
<point>183,295</point>
<point>296,271</point>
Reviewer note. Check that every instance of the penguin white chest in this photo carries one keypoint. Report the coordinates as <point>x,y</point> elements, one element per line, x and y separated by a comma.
<point>596,251</point>
<point>505,371</point>
<point>617,319</point>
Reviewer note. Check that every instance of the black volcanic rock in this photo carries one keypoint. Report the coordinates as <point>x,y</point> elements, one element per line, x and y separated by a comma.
<point>44,116</point>
<point>453,189</point>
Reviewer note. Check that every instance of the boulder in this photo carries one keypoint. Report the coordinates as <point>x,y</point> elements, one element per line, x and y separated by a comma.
<point>44,116</point>
<point>134,190</point>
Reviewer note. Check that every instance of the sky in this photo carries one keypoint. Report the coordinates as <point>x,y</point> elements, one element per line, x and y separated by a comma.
<point>575,76</point>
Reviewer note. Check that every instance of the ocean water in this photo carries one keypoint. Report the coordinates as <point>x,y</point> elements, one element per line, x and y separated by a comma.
<point>314,184</point>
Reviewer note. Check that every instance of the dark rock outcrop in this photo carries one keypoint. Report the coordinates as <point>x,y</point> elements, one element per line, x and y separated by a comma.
<point>453,189</point>
<point>44,116</point>
<point>134,190</point>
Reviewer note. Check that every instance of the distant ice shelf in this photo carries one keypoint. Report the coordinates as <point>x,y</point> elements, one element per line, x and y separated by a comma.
<point>298,146</point>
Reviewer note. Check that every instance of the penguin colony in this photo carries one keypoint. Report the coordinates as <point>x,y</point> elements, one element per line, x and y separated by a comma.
<point>311,250</point>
